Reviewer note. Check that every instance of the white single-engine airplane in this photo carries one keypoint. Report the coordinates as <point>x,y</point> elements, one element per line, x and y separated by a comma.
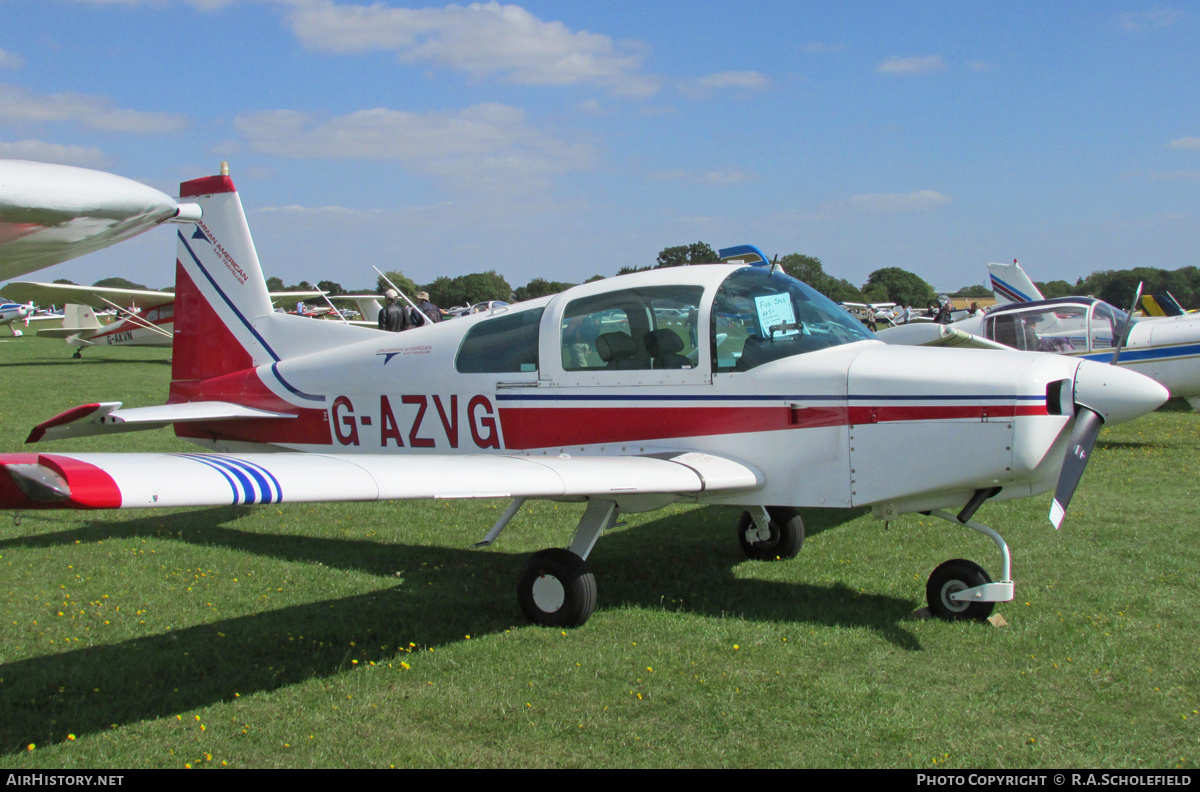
<point>145,317</point>
<point>715,384</point>
<point>52,213</point>
<point>11,313</point>
<point>1166,349</point>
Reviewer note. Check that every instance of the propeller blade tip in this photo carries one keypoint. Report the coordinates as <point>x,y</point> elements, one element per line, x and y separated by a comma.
<point>1057,512</point>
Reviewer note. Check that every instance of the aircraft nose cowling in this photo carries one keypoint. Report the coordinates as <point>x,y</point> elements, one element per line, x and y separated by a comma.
<point>1117,394</point>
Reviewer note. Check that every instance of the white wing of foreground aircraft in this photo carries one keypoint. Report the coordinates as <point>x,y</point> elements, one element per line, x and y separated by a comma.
<point>715,384</point>
<point>52,213</point>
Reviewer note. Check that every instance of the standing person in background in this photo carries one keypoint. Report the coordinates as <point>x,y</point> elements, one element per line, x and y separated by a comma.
<point>428,308</point>
<point>393,318</point>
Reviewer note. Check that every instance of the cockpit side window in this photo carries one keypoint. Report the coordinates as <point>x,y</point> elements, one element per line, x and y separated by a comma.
<point>759,316</point>
<point>653,327</point>
<point>508,343</point>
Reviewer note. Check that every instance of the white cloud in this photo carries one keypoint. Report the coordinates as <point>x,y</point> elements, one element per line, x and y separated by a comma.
<point>1159,17</point>
<point>10,60</point>
<point>707,177</point>
<point>83,156</point>
<point>891,203</point>
<point>482,39</point>
<point>922,64</point>
<point>204,5</point>
<point>734,79</point>
<point>1185,143</point>
<point>18,105</point>
<point>489,145</point>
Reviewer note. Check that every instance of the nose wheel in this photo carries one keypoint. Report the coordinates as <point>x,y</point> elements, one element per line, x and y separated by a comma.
<point>960,590</point>
<point>954,577</point>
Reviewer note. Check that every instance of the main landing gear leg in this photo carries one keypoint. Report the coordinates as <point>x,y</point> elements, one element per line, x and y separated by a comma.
<point>555,588</point>
<point>961,590</point>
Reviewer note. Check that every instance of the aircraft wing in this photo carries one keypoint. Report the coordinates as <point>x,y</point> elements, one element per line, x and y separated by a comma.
<point>52,213</point>
<point>99,297</point>
<point>293,296</point>
<point>931,334</point>
<point>115,480</point>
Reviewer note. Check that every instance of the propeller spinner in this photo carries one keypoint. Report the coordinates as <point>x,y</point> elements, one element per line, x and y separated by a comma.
<point>1102,394</point>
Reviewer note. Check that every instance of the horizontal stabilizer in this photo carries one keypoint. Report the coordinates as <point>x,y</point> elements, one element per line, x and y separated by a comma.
<point>89,481</point>
<point>109,418</point>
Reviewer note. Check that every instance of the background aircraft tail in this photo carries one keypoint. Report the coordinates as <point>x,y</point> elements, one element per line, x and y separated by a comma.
<point>1010,284</point>
<point>77,321</point>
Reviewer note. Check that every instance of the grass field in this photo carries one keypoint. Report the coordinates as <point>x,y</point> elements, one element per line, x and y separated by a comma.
<point>369,636</point>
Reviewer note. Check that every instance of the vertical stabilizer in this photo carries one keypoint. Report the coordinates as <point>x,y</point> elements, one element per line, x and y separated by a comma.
<point>1010,284</point>
<point>221,299</point>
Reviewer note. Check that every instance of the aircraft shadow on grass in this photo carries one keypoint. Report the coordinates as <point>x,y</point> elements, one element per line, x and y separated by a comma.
<point>87,361</point>
<point>683,562</point>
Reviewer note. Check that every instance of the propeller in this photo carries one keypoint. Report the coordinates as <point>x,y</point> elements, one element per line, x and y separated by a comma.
<point>1123,337</point>
<point>1088,422</point>
<point>1083,437</point>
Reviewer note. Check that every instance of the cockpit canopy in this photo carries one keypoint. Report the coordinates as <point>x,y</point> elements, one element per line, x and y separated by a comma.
<point>655,323</point>
<point>759,316</point>
<point>1075,324</point>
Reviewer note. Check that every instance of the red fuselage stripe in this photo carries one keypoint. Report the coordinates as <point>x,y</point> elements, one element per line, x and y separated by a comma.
<point>541,427</point>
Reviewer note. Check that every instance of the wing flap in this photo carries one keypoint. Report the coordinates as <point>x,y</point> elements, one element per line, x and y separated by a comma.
<point>150,480</point>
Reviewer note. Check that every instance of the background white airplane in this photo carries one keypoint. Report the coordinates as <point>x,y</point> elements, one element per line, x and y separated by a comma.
<point>1166,349</point>
<point>13,313</point>
<point>716,384</point>
<point>144,317</point>
<point>52,213</point>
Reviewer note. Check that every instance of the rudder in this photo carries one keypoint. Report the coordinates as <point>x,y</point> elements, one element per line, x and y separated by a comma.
<point>220,292</point>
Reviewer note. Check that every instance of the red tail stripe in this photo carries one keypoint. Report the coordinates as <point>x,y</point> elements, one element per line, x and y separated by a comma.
<point>209,185</point>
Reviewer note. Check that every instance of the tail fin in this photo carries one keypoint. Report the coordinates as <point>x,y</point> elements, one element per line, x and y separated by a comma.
<point>79,318</point>
<point>1010,284</point>
<point>1161,304</point>
<point>219,288</point>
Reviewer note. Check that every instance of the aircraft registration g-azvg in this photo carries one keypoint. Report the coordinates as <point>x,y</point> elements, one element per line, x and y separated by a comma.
<point>715,384</point>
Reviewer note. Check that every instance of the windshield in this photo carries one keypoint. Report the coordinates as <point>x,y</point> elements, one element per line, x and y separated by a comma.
<point>759,316</point>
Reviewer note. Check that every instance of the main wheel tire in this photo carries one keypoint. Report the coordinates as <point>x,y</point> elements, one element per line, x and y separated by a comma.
<point>555,589</point>
<point>952,576</point>
<point>787,535</point>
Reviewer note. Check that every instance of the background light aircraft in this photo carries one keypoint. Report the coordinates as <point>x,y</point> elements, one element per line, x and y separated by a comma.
<point>716,384</point>
<point>52,213</point>
<point>1166,349</point>
<point>12,313</point>
<point>145,317</point>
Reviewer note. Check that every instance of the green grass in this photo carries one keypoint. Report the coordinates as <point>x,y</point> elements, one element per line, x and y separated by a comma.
<point>368,635</point>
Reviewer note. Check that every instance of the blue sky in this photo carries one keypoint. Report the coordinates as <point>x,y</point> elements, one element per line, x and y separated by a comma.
<point>565,139</point>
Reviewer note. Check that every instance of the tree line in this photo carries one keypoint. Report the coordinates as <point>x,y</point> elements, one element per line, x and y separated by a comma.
<point>888,284</point>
